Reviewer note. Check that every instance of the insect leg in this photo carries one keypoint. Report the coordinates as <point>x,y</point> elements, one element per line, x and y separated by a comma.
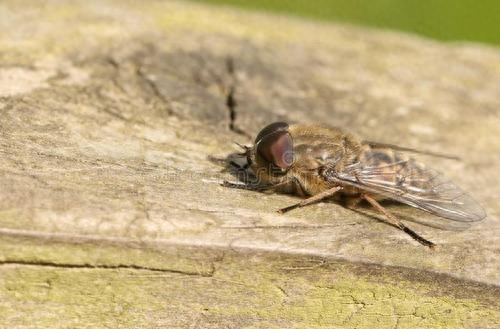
<point>253,187</point>
<point>243,186</point>
<point>394,221</point>
<point>312,199</point>
<point>239,167</point>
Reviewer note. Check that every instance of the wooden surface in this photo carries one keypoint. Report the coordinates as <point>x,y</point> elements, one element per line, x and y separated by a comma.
<point>113,116</point>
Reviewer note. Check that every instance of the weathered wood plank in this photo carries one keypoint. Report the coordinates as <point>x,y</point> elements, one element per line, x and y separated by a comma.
<point>111,212</point>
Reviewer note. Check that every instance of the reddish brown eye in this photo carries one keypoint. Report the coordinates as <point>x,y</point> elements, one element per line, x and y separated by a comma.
<point>274,144</point>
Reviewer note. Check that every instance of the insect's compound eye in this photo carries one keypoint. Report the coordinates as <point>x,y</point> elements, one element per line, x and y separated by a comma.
<point>274,144</point>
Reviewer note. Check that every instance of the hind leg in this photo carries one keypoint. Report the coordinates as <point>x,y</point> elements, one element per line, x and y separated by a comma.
<point>394,221</point>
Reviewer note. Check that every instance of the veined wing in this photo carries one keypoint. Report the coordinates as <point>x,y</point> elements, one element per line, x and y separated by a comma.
<point>411,183</point>
<point>378,145</point>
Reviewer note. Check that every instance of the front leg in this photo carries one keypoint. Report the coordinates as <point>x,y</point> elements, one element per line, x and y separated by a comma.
<point>243,186</point>
<point>255,187</point>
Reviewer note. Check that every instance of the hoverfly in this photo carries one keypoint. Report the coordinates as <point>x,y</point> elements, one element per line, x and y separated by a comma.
<point>320,162</point>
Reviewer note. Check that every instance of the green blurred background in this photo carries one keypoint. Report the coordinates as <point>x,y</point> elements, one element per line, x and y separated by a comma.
<point>449,20</point>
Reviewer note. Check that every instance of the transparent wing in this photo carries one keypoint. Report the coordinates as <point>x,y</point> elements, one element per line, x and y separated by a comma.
<point>411,183</point>
<point>378,145</point>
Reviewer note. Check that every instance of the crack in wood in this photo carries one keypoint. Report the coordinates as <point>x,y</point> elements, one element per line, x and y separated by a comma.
<point>38,263</point>
<point>231,102</point>
<point>151,83</point>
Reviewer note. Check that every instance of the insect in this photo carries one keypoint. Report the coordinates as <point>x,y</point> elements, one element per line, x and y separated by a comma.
<point>321,162</point>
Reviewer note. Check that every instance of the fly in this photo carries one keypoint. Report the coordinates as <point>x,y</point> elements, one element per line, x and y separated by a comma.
<point>319,162</point>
